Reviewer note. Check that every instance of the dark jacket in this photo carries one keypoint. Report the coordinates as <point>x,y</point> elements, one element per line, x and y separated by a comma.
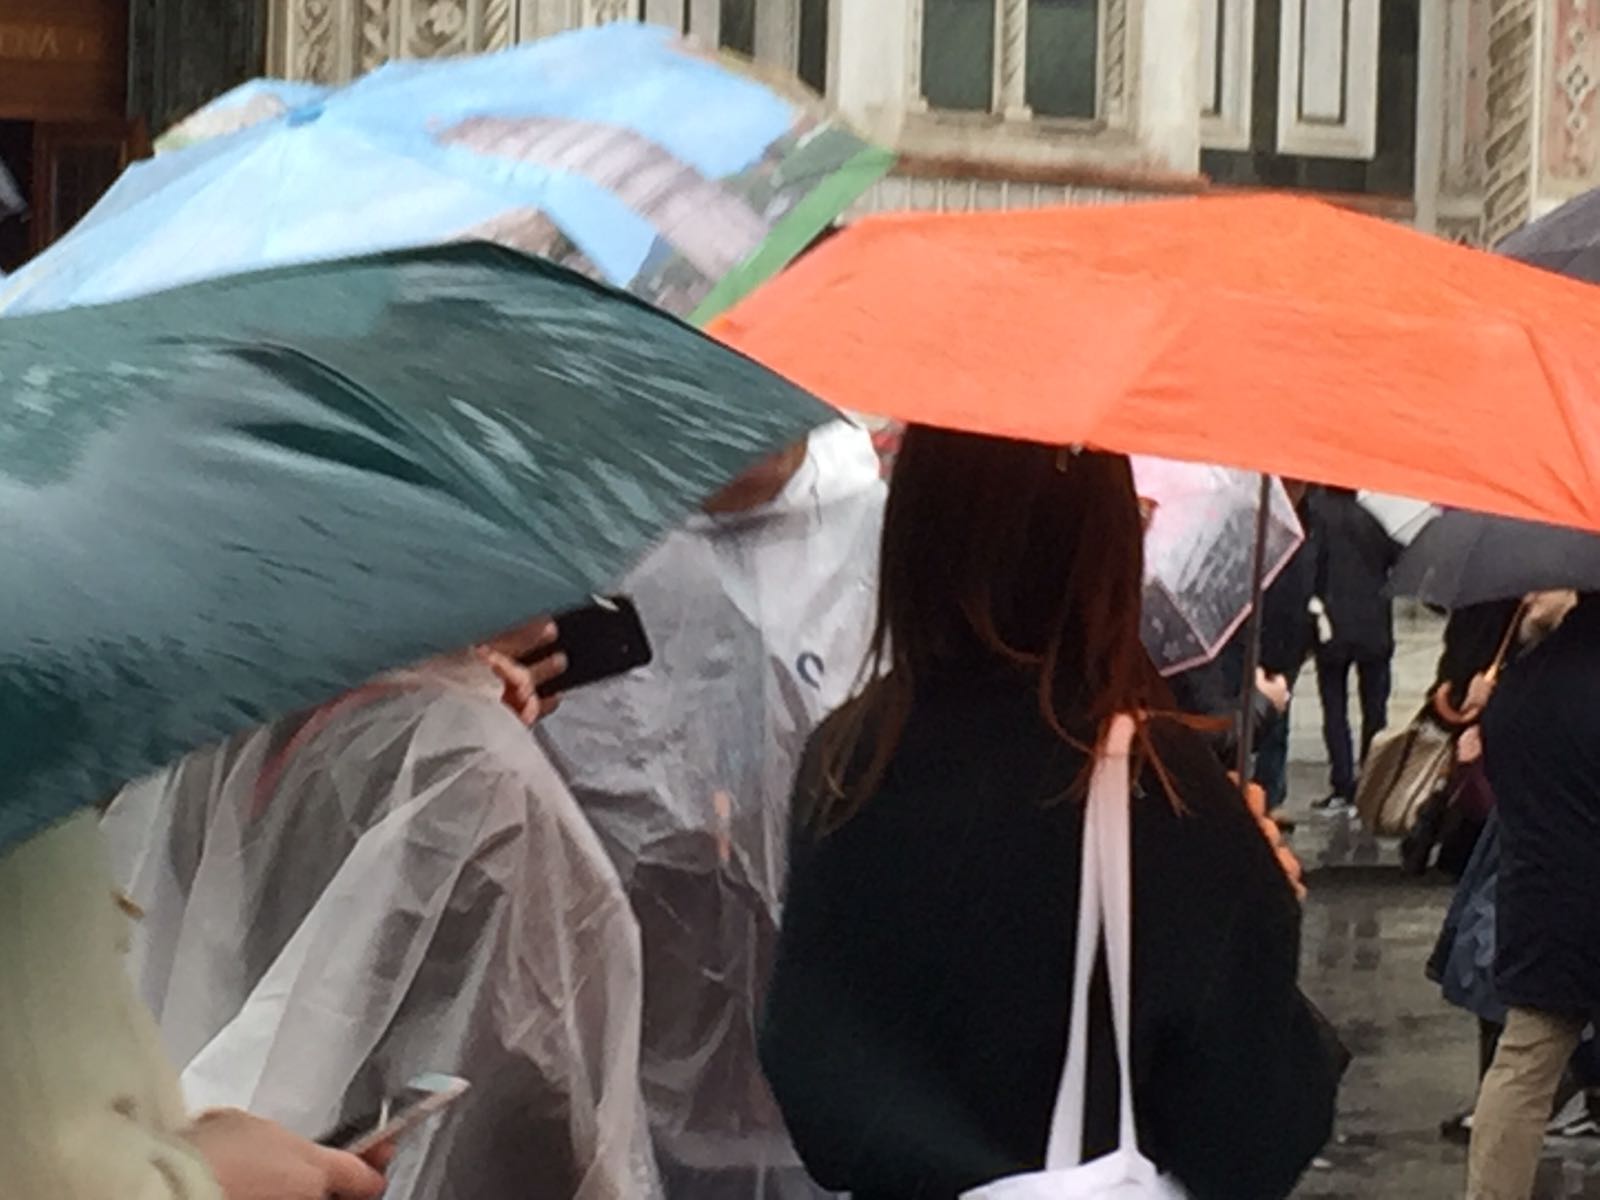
<point>917,1018</point>
<point>1213,690</point>
<point>1472,639</point>
<point>1354,555</point>
<point>1542,749</point>
<point>1288,630</point>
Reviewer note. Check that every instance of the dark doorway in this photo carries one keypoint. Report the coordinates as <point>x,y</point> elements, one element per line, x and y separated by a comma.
<point>16,158</point>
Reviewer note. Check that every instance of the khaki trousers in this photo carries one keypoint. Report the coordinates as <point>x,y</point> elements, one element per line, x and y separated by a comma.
<point>1514,1105</point>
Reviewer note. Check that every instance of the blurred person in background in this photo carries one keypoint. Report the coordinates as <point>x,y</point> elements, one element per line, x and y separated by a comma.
<point>1354,556</point>
<point>1288,635</point>
<point>759,611</point>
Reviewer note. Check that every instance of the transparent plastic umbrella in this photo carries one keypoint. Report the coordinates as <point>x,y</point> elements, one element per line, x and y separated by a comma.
<point>1200,553</point>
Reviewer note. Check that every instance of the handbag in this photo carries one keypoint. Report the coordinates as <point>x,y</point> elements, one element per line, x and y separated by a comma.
<point>1404,770</point>
<point>1408,767</point>
<point>1105,907</point>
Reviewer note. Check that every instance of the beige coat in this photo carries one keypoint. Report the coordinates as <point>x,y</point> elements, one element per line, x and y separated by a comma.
<point>88,1105</point>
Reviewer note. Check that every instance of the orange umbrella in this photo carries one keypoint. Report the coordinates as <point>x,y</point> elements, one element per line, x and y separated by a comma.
<point>1262,331</point>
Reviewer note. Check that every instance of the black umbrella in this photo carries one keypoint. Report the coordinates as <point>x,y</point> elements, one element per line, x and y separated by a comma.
<point>1567,241</point>
<point>1465,558</point>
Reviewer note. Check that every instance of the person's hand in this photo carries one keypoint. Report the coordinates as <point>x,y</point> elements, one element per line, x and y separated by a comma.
<point>1255,799</point>
<point>1479,692</point>
<point>1275,688</point>
<point>1469,746</point>
<point>520,683</point>
<point>254,1159</point>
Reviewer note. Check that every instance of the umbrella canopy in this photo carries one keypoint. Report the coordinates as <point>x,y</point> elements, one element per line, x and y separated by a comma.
<point>1467,558</point>
<point>1566,241</point>
<point>619,151</point>
<point>1263,332</point>
<point>1199,555</point>
<point>226,502</point>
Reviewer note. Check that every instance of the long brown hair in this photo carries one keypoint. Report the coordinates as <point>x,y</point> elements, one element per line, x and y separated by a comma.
<point>1024,556</point>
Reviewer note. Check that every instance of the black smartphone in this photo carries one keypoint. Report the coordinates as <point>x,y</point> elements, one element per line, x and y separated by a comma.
<point>601,641</point>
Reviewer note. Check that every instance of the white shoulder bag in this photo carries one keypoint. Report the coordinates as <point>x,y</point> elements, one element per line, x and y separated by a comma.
<point>1105,904</point>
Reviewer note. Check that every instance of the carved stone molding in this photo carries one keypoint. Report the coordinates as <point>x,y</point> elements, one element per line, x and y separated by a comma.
<point>329,41</point>
<point>499,24</point>
<point>1572,124</point>
<point>601,12</point>
<point>313,40</point>
<point>900,193</point>
<point>1465,116</point>
<point>375,38</point>
<point>1509,154</point>
<point>1013,54</point>
<point>1116,53</point>
<point>435,28</point>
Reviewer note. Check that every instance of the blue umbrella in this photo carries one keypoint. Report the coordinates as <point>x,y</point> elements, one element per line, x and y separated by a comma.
<point>235,499</point>
<point>619,151</point>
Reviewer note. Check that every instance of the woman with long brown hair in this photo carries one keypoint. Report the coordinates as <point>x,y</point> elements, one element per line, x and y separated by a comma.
<point>917,1018</point>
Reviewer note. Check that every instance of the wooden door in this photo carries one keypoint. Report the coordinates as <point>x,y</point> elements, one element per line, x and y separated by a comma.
<point>73,165</point>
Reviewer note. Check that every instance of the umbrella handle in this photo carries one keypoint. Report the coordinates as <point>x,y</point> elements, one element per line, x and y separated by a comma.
<point>1252,645</point>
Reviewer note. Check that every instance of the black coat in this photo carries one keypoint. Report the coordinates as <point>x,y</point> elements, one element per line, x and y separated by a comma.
<point>1542,750</point>
<point>917,1018</point>
<point>1354,555</point>
<point>1288,630</point>
<point>1472,639</point>
<point>1213,690</point>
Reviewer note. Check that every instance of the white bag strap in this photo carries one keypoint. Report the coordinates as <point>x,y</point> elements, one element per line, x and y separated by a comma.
<point>1105,904</point>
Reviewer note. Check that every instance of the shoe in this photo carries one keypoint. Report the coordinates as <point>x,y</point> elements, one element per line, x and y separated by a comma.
<point>1335,803</point>
<point>1571,1118</point>
<point>1584,1129</point>
<point>1458,1129</point>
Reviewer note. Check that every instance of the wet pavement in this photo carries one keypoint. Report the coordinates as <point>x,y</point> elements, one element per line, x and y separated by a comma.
<point>1368,935</point>
<point>1369,930</point>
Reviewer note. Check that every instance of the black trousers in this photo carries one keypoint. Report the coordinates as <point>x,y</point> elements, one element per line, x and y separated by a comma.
<point>1333,684</point>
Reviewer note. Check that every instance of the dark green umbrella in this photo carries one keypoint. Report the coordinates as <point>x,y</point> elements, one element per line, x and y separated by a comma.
<point>229,501</point>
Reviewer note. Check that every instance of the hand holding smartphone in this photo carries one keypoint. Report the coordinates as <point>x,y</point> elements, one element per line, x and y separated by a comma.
<point>601,640</point>
<point>424,1097</point>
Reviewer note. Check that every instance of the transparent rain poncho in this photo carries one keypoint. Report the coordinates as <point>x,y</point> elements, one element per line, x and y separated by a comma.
<point>759,623</point>
<point>397,883</point>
